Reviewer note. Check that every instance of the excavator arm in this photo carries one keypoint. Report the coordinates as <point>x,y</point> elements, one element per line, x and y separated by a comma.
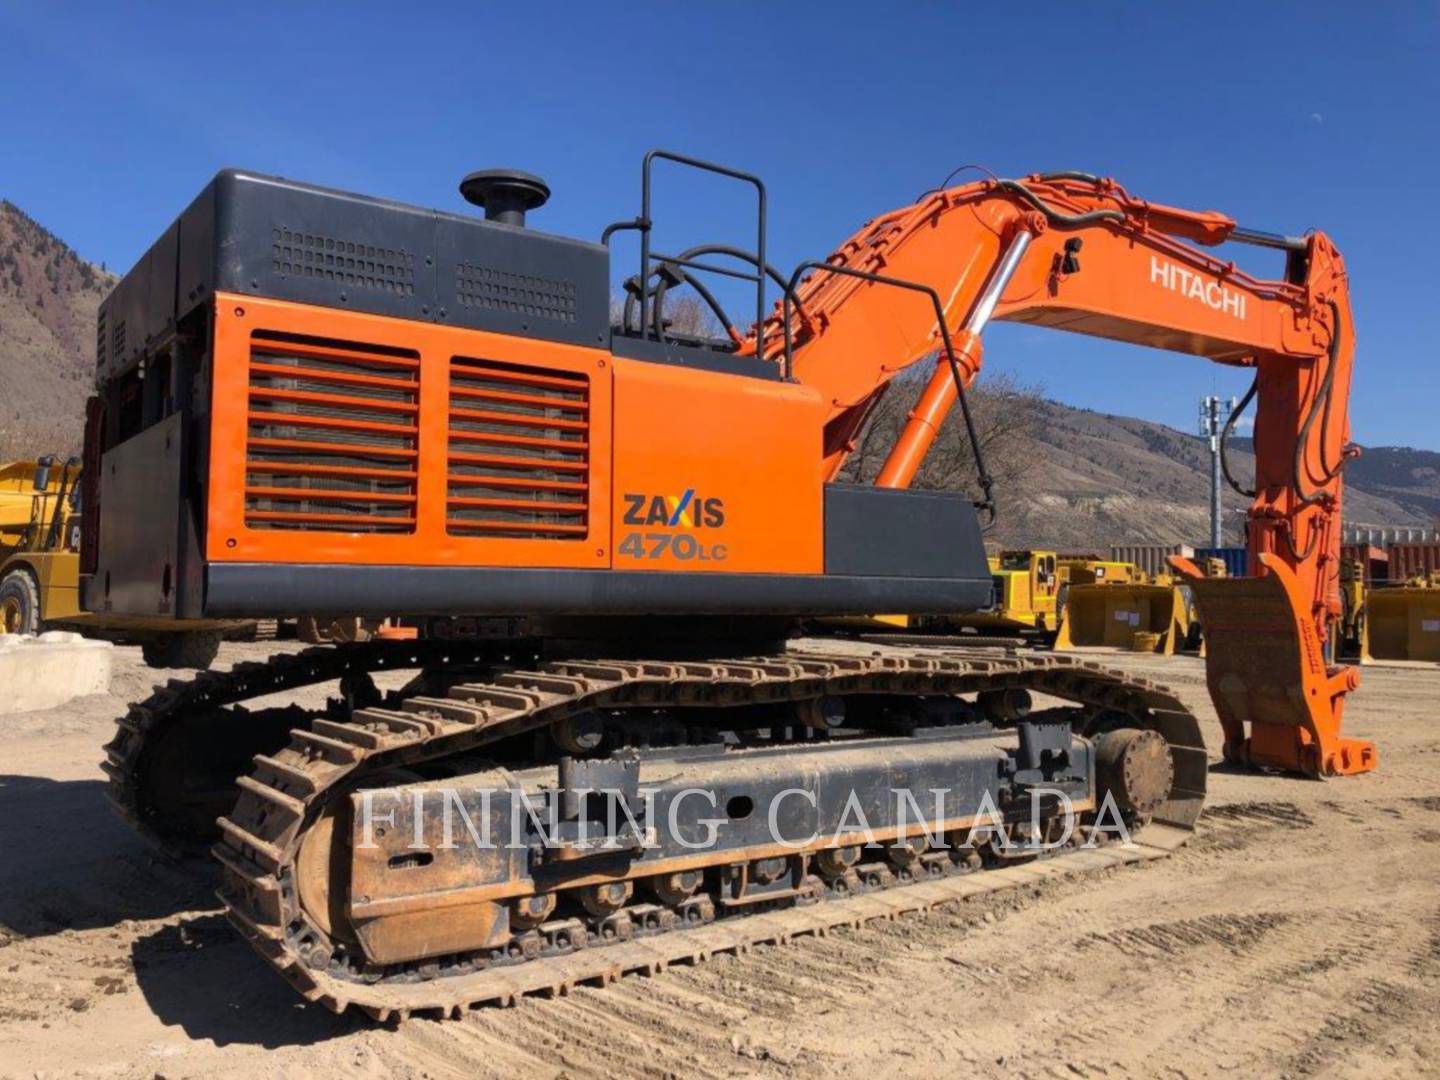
<point>1079,253</point>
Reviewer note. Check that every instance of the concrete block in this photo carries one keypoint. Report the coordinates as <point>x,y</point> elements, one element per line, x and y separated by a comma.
<point>47,671</point>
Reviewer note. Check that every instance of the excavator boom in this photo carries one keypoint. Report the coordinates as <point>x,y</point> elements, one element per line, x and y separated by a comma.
<point>1079,253</point>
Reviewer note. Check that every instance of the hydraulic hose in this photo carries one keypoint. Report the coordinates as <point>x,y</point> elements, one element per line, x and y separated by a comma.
<point>1322,401</point>
<point>1071,174</point>
<point>1055,217</point>
<point>1321,407</point>
<point>1248,493</point>
<point>689,279</point>
<point>705,294</point>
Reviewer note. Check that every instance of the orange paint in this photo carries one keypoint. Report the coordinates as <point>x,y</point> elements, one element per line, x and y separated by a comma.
<point>581,541</point>
<point>712,447</point>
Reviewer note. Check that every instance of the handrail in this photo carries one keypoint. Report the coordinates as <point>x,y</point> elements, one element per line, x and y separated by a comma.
<point>644,223</point>
<point>987,482</point>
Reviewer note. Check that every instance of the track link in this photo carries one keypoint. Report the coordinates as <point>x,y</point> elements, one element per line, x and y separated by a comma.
<point>261,837</point>
<point>181,702</point>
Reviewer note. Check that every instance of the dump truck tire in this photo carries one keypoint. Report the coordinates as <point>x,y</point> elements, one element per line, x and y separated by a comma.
<point>189,649</point>
<point>20,602</point>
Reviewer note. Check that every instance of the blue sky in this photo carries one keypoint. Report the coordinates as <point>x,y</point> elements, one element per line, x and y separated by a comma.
<point>1285,116</point>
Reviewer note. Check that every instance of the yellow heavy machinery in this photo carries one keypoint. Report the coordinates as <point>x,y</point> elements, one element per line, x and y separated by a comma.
<point>39,542</point>
<point>40,524</point>
<point>1402,622</point>
<point>1029,591</point>
<point>1027,584</point>
<point>1353,633</point>
<point>1127,609</point>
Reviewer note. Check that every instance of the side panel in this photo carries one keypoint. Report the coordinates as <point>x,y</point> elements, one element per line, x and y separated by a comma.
<point>347,438</point>
<point>140,523</point>
<point>58,573</point>
<point>716,473</point>
<point>885,532</point>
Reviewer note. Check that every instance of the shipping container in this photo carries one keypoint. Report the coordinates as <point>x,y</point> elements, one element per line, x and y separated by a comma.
<point>1385,535</point>
<point>1150,558</point>
<point>1236,559</point>
<point>1374,562</point>
<point>1410,560</point>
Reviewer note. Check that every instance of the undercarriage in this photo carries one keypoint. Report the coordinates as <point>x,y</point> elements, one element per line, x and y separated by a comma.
<point>507,823</point>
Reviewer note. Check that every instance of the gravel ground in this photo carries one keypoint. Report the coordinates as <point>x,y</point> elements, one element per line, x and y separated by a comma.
<point>1297,935</point>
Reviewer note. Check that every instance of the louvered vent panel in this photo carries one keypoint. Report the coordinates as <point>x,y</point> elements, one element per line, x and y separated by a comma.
<point>519,451</point>
<point>333,430</point>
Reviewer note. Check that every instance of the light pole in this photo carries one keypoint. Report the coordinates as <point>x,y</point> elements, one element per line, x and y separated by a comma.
<point>1212,421</point>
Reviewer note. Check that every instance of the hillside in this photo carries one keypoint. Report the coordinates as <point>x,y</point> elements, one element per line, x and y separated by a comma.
<point>48,298</point>
<point>1097,479</point>
<point>1407,477</point>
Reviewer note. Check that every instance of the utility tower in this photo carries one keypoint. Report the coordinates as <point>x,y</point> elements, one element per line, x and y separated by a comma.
<point>1214,411</point>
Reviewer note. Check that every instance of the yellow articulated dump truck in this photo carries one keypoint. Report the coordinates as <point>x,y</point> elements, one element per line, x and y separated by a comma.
<point>39,543</point>
<point>40,510</point>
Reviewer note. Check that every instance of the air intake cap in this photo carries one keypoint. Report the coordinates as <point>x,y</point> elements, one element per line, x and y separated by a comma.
<point>505,194</point>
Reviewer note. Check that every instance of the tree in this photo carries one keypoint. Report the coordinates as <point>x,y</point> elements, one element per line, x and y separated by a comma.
<point>1008,417</point>
<point>686,316</point>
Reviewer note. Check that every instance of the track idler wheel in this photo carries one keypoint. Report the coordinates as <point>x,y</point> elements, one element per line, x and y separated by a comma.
<point>1135,767</point>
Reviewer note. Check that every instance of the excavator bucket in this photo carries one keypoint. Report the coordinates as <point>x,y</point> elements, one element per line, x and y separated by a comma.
<point>1149,618</point>
<point>1404,623</point>
<point>1280,702</point>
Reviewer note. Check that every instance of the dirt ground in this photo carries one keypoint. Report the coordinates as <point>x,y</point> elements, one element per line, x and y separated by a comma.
<point>1297,935</point>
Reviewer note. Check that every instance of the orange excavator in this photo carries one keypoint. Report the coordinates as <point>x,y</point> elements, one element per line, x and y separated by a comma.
<point>619,753</point>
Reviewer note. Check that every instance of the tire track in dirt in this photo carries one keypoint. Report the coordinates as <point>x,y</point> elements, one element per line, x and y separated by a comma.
<point>1236,933</point>
<point>1222,965</point>
<point>1235,826</point>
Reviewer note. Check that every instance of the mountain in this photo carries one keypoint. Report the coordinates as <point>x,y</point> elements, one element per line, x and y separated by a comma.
<point>1096,479</point>
<point>1407,477</point>
<point>48,299</point>
<point>1076,478</point>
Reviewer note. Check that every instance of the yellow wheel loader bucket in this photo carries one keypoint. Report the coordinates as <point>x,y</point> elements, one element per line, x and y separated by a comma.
<point>1404,623</point>
<point>1117,616</point>
<point>1279,701</point>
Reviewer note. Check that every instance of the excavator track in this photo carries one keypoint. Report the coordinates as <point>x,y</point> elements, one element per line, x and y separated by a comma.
<point>182,704</point>
<point>284,796</point>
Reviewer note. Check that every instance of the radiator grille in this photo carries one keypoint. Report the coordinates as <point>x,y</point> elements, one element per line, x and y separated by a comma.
<point>332,436</point>
<point>518,451</point>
